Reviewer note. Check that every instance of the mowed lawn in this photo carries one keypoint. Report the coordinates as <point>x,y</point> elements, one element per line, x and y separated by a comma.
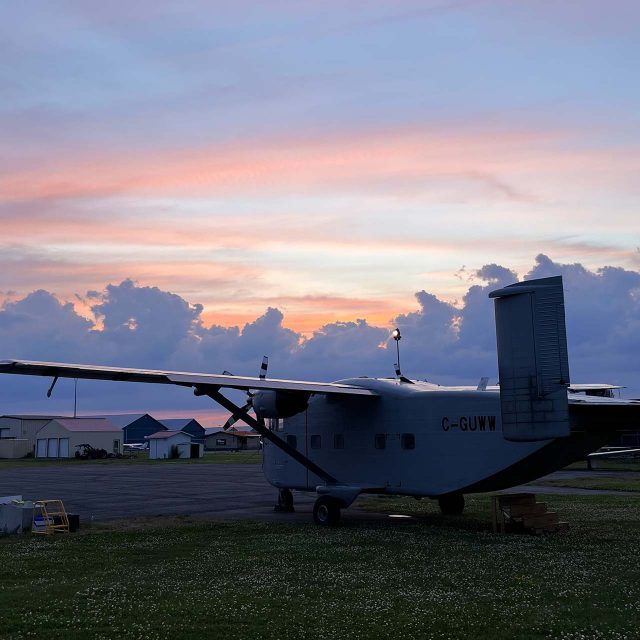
<point>600,483</point>
<point>432,577</point>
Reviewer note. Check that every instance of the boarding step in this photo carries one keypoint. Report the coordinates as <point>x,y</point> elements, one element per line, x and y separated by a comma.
<point>522,513</point>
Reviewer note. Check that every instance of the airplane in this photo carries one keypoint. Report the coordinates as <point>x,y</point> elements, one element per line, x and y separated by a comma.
<point>397,436</point>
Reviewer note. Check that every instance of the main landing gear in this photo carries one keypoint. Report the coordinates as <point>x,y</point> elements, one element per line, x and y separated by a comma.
<point>285,501</point>
<point>326,511</point>
<point>451,504</point>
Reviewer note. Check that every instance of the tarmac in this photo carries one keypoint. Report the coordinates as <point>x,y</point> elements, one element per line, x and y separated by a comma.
<point>109,491</point>
<point>99,492</point>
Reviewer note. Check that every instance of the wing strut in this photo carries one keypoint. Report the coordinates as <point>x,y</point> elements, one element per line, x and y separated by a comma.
<point>214,394</point>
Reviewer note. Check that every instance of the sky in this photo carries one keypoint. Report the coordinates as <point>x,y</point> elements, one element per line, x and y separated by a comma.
<point>197,184</point>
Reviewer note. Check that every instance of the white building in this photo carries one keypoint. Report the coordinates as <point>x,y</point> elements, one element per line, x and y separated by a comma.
<point>23,427</point>
<point>161,445</point>
<point>60,437</point>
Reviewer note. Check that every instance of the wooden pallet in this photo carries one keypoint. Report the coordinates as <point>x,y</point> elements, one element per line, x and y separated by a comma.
<point>521,513</point>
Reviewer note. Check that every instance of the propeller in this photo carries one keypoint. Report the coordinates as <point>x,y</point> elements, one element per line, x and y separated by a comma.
<point>233,418</point>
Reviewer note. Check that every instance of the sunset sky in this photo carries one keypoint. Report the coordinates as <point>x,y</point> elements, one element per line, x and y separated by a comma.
<point>328,159</point>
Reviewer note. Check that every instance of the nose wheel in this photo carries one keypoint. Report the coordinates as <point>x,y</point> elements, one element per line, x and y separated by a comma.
<point>326,511</point>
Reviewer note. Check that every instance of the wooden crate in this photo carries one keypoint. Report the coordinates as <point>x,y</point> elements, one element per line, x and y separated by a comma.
<point>521,513</point>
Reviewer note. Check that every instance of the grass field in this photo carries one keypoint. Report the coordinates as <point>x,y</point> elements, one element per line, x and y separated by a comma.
<point>433,577</point>
<point>629,464</point>
<point>609,484</point>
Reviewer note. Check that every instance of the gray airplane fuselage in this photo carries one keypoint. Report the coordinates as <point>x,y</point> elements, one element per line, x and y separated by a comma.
<point>415,439</point>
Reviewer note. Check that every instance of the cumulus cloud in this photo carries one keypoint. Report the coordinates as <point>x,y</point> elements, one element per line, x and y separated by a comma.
<point>446,343</point>
<point>40,323</point>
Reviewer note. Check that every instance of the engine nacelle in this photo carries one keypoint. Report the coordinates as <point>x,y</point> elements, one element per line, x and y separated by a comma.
<point>279,404</point>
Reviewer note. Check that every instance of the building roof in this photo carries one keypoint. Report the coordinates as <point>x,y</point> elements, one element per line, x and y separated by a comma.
<point>163,435</point>
<point>86,424</point>
<point>216,431</point>
<point>33,417</point>
<point>178,423</point>
<point>123,420</point>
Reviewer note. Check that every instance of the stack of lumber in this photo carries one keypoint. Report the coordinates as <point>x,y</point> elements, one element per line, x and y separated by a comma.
<point>522,513</point>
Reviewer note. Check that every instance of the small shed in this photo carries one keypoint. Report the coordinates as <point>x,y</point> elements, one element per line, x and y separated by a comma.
<point>135,426</point>
<point>188,425</point>
<point>60,437</point>
<point>162,443</point>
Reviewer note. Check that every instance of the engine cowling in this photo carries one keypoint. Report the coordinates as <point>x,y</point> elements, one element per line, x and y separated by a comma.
<point>279,404</point>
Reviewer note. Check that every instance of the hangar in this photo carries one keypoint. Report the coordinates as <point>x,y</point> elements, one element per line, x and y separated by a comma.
<point>23,427</point>
<point>188,425</point>
<point>135,426</point>
<point>60,437</point>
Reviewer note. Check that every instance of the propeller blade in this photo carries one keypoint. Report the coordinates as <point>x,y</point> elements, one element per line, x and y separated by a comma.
<point>234,417</point>
<point>263,367</point>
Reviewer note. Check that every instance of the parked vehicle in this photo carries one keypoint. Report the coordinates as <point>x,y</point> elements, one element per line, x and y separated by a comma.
<point>88,452</point>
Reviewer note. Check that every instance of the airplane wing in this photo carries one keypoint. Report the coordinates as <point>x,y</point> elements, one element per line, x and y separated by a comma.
<point>617,452</point>
<point>66,370</point>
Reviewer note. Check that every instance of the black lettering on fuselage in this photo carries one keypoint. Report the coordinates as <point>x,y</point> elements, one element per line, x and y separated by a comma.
<point>470,423</point>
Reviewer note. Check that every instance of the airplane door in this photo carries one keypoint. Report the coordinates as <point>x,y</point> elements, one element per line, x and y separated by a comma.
<point>279,467</point>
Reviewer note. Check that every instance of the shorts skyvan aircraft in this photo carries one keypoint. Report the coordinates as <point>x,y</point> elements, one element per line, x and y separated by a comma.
<point>406,437</point>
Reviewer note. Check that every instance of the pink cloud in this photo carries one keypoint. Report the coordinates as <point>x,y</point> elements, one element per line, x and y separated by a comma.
<point>490,159</point>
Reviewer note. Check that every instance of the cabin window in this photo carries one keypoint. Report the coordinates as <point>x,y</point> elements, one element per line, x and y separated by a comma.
<point>380,441</point>
<point>408,441</point>
<point>292,441</point>
<point>338,441</point>
<point>316,442</point>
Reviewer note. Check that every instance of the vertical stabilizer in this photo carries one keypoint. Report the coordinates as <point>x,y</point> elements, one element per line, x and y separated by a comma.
<point>532,359</point>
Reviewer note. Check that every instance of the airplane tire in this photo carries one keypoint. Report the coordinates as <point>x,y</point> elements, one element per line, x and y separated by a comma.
<point>452,504</point>
<point>326,511</point>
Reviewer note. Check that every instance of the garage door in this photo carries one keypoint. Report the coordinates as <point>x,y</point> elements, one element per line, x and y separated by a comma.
<point>52,450</point>
<point>41,448</point>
